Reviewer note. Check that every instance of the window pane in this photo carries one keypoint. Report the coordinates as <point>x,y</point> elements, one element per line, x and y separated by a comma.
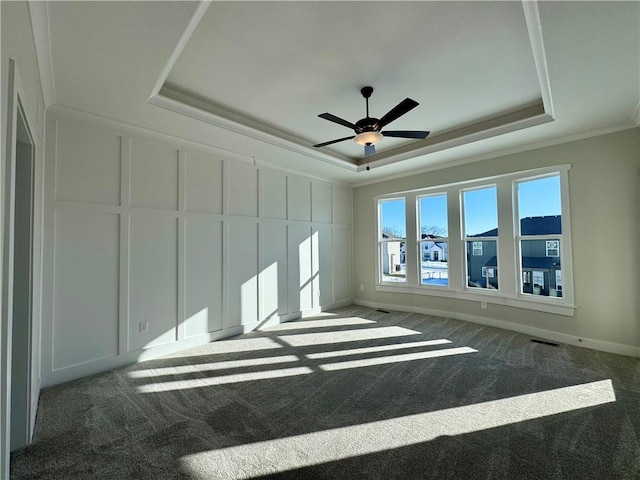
<point>481,212</point>
<point>433,216</point>
<point>434,269</point>
<point>392,219</point>
<point>392,261</point>
<point>539,206</point>
<point>541,269</point>
<point>482,269</point>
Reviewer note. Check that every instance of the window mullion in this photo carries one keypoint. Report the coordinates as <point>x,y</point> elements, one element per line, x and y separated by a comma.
<point>411,260</point>
<point>507,264</point>
<point>457,274</point>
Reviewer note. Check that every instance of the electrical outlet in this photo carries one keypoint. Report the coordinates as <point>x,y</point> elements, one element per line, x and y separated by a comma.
<point>361,287</point>
<point>483,305</point>
<point>143,327</point>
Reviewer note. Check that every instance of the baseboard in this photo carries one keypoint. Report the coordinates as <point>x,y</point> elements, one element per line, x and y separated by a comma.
<point>594,344</point>
<point>109,363</point>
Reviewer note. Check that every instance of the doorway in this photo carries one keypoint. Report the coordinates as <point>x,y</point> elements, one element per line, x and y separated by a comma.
<point>22,295</point>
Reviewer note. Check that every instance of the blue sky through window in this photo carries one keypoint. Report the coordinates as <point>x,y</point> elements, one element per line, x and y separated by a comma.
<point>392,216</point>
<point>433,215</point>
<point>539,197</point>
<point>480,210</point>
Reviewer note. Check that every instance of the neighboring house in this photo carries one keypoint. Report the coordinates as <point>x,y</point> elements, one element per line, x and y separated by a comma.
<point>433,251</point>
<point>541,268</point>
<point>393,253</point>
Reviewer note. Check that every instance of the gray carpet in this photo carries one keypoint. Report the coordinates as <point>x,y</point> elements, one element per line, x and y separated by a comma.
<point>357,394</point>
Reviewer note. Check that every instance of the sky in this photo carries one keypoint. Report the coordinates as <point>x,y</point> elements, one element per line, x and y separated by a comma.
<point>539,197</point>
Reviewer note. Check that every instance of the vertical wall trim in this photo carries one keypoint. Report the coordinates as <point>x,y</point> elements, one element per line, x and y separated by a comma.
<point>181,326</point>
<point>125,196</point>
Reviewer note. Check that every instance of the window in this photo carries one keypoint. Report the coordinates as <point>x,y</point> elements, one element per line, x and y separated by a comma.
<point>391,240</point>
<point>540,234</point>
<point>433,245</point>
<point>503,239</point>
<point>480,206</point>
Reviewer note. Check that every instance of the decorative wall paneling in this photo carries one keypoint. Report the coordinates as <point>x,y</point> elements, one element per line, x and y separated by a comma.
<point>158,248</point>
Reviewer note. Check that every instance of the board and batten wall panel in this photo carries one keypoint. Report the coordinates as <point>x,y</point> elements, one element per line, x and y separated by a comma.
<point>203,275</point>
<point>242,273</point>
<point>88,167</point>
<point>321,202</point>
<point>300,277</point>
<point>182,247</point>
<point>154,175</point>
<point>153,287</point>
<point>323,264</point>
<point>272,280</point>
<point>342,264</point>
<point>242,189</point>
<point>204,183</point>
<point>273,194</point>
<point>85,318</point>
<point>299,198</point>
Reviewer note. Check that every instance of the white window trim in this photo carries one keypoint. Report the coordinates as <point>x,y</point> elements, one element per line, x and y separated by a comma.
<point>509,271</point>
<point>420,240</point>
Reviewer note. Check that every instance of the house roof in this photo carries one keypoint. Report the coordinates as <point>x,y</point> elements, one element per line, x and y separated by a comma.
<point>543,263</point>
<point>544,225</point>
<point>390,236</point>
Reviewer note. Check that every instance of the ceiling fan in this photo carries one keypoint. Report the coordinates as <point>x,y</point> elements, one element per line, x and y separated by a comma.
<point>369,130</point>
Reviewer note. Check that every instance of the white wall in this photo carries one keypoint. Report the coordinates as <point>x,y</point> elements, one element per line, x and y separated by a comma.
<point>604,191</point>
<point>194,245</point>
<point>18,49</point>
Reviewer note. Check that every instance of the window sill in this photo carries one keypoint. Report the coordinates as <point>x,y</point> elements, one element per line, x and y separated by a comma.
<point>545,304</point>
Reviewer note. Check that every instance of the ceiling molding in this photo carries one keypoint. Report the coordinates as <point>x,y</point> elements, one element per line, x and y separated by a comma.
<point>182,42</point>
<point>534,27</point>
<point>181,103</point>
<point>171,98</point>
<point>524,118</point>
<point>39,13</point>
<point>121,127</point>
<point>501,153</point>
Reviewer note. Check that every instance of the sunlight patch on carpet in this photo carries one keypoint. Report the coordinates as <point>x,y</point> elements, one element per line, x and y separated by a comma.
<point>222,380</point>
<point>324,338</point>
<point>333,322</point>
<point>299,451</point>
<point>207,367</point>
<point>380,348</point>
<point>407,357</point>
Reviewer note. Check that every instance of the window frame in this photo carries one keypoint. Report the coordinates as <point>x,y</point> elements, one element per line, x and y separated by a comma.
<point>439,239</point>
<point>509,269</point>
<point>520,238</point>
<point>380,241</point>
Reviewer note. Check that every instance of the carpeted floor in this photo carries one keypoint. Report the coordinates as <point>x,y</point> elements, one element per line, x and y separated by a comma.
<point>354,394</point>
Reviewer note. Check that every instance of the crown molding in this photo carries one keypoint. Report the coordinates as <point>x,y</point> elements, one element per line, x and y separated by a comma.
<point>39,14</point>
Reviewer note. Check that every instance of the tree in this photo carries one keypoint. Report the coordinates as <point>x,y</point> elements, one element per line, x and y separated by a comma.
<point>394,231</point>
<point>433,230</point>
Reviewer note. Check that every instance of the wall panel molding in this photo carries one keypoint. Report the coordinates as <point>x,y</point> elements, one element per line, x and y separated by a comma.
<point>204,245</point>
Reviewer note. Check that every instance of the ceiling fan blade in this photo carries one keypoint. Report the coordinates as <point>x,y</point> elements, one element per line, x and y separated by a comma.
<point>397,111</point>
<point>405,133</point>
<point>369,150</point>
<point>334,141</point>
<point>334,119</point>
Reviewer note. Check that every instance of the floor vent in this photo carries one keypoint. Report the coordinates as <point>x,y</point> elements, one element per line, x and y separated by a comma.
<point>545,342</point>
<point>383,311</point>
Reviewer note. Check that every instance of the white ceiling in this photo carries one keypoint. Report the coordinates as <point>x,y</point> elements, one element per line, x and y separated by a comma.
<point>251,77</point>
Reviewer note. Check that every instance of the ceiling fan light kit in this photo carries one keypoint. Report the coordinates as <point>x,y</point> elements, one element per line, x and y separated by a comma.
<point>368,130</point>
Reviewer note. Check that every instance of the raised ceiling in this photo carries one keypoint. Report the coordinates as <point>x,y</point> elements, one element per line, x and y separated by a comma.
<point>251,77</point>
